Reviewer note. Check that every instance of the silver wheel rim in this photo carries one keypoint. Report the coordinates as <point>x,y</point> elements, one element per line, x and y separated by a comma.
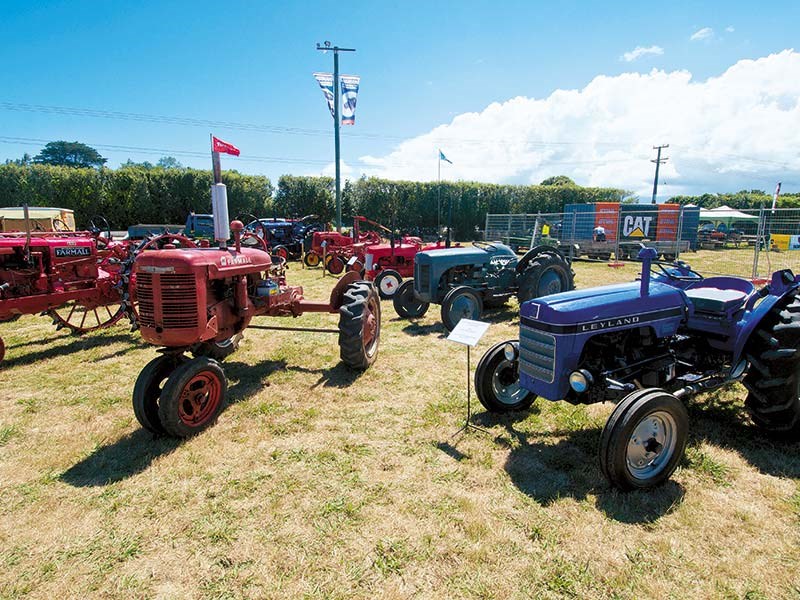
<point>389,285</point>
<point>651,445</point>
<point>505,392</point>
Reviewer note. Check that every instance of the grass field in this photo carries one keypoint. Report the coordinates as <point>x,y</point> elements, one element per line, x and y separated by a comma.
<point>320,483</point>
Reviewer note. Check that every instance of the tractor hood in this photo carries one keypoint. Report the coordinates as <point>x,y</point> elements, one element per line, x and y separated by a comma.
<point>604,308</point>
<point>463,256</point>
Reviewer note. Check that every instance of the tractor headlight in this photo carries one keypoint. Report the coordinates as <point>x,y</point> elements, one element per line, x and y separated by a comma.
<point>580,380</point>
<point>510,351</point>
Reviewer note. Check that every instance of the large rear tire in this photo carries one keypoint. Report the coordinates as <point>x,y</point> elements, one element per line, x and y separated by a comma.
<point>644,439</point>
<point>497,382</point>
<point>193,397</point>
<point>546,274</point>
<point>773,380</point>
<point>406,303</point>
<point>359,325</point>
<point>462,302</point>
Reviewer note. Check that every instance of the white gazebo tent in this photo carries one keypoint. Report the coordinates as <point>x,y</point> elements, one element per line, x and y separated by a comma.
<point>725,215</point>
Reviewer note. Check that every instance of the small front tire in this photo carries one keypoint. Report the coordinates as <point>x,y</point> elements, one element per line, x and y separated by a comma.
<point>193,397</point>
<point>497,382</point>
<point>388,281</point>
<point>461,303</point>
<point>406,303</point>
<point>644,439</point>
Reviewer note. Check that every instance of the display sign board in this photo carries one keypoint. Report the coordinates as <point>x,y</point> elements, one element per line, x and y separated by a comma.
<point>468,332</point>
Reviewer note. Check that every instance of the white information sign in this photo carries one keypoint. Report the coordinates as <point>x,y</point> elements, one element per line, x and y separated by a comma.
<point>468,332</point>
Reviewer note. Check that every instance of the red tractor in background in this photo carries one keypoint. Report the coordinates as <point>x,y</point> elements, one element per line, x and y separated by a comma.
<point>78,278</point>
<point>386,264</point>
<point>199,300</point>
<point>337,248</point>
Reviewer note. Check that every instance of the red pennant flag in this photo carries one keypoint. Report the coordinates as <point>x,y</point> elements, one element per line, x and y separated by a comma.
<point>217,145</point>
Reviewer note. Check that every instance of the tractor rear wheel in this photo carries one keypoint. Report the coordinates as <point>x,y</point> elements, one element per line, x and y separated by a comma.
<point>2,349</point>
<point>644,439</point>
<point>497,382</point>
<point>82,318</point>
<point>311,259</point>
<point>281,252</point>
<point>359,325</point>
<point>388,281</point>
<point>546,274</point>
<point>192,397</point>
<point>148,388</point>
<point>405,301</point>
<point>219,350</point>
<point>773,380</point>
<point>461,303</point>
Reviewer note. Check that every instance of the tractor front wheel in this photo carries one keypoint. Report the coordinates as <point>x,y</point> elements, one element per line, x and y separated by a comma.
<point>359,325</point>
<point>311,259</point>
<point>497,382</point>
<point>192,397</point>
<point>388,281</point>
<point>644,439</point>
<point>334,264</point>
<point>219,350</point>
<point>461,303</point>
<point>546,274</point>
<point>405,301</point>
<point>148,388</point>
<point>773,380</point>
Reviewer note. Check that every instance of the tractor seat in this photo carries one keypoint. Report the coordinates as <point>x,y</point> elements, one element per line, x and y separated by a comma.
<point>714,300</point>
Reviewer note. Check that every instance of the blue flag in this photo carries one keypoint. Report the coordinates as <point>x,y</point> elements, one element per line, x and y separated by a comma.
<point>444,158</point>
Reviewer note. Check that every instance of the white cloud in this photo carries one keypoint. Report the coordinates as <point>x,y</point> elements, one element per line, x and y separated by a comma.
<point>730,29</point>
<point>726,133</point>
<point>702,34</point>
<point>640,51</point>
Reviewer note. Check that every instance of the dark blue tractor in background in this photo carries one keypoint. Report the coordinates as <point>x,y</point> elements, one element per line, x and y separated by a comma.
<point>486,274</point>
<point>647,346</point>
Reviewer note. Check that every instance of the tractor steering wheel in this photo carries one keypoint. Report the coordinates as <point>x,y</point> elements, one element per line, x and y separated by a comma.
<point>159,241</point>
<point>60,226</point>
<point>102,240</point>
<point>256,222</point>
<point>678,272</point>
<point>251,240</point>
<point>485,245</point>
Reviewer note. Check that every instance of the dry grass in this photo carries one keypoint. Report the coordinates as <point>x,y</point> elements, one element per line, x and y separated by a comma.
<point>319,483</point>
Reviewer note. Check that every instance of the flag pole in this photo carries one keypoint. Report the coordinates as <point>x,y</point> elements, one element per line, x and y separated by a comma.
<point>439,198</point>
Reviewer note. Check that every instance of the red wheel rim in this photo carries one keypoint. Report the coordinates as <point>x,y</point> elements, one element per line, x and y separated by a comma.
<point>369,332</point>
<point>282,253</point>
<point>200,399</point>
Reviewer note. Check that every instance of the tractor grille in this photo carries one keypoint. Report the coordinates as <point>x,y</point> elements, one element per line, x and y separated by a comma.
<point>537,354</point>
<point>424,279</point>
<point>178,300</point>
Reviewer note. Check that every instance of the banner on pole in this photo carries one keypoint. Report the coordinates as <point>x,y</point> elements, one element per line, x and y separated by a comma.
<point>325,81</point>
<point>349,98</point>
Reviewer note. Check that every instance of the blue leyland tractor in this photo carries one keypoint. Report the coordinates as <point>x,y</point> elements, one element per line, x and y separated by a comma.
<point>648,345</point>
<point>464,280</point>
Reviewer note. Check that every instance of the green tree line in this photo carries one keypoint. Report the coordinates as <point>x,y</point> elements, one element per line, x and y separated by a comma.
<point>744,199</point>
<point>130,195</point>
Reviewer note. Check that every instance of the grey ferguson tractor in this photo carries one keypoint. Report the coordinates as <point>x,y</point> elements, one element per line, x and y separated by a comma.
<point>465,280</point>
<point>647,346</point>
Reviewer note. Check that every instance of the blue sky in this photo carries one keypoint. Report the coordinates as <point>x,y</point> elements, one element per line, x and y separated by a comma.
<point>422,65</point>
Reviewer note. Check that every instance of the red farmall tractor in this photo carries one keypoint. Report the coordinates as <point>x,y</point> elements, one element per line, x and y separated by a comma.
<point>337,248</point>
<point>77,278</point>
<point>199,300</point>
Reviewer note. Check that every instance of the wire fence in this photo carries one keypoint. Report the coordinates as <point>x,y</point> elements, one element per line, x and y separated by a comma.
<point>746,243</point>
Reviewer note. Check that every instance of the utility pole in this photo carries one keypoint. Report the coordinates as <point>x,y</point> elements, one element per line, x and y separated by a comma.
<point>325,47</point>
<point>658,162</point>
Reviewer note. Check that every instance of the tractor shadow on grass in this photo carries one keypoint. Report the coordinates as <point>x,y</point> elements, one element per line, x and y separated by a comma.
<point>251,378</point>
<point>416,329</point>
<point>78,344</point>
<point>721,421</point>
<point>548,466</point>
<point>114,462</point>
